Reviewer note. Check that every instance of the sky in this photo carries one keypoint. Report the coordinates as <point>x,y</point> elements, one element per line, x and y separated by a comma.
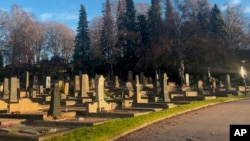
<point>67,11</point>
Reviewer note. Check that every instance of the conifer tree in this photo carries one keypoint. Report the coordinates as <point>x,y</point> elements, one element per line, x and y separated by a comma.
<point>82,51</point>
<point>107,38</point>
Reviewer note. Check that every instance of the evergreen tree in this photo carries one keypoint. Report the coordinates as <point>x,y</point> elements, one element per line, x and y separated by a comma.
<point>82,51</point>
<point>127,35</point>
<point>107,38</point>
<point>154,18</point>
<point>217,24</point>
<point>156,33</point>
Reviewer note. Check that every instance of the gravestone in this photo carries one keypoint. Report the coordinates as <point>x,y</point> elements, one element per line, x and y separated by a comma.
<point>48,82</point>
<point>228,82</point>
<point>66,88</point>
<point>92,83</point>
<point>117,84</point>
<point>157,84</point>
<point>41,90</point>
<point>60,84</point>
<point>77,85</point>
<point>130,89</point>
<point>13,89</point>
<point>166,97</point>
<point>187,79</point>
<point>55,103</point>
<point>85,85</point>
<point>6,91</point>
<point>27,80</point>
<point>100,105</point>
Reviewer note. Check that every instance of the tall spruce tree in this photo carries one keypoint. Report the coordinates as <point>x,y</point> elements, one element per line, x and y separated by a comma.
<point>82,51</point>
<point>155,33</point>
<point>217,24</point>
<point>107,39</point>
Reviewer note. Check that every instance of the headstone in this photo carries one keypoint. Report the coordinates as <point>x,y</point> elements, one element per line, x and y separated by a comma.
<point>130,89</point>
<point>18,83</point>
<point>157,84</point>
<point>85,85</point>
<point>165,90</point>
<point>6,91</point>
<point>92,83</point>
<point>187,79</point>
<point>66,88</point>
<point>55,103</point>
<point>100,105</point>
<point>41,90</point>
<point>213,85</point>
<point>27,80</point>
<point>137,79</point>
<point>117,84</point>
<point>60,83</point>
<point>100,92</point>
<point>228,82</point>
<point>48,82</point>
<point>138,92</point>
<point>13,89</point>
<point>77,85</point>
<point>200,84</point>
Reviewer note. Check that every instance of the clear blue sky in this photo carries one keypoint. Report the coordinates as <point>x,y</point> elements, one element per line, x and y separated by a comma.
<point>67,11</point>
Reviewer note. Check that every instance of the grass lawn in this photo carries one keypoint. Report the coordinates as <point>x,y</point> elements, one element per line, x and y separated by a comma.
<point>119,126</point>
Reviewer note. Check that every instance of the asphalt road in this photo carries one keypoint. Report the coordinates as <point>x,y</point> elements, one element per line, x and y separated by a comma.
<point>206,124</point>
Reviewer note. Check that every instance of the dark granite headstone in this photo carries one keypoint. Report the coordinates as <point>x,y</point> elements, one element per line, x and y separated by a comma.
<point>55,103</point>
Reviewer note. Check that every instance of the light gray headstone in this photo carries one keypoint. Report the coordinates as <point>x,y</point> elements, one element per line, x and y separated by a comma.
<point>117,84</point>
<point>27,80</point>
<point>85,85</point>
<point>48,82</point>
<point>13,89</point>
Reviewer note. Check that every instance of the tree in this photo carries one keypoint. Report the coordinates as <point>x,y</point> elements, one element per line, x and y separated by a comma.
<point>217,24</point>
<point>155,34</point>
<point>82,52</point>
<point>107,39</point>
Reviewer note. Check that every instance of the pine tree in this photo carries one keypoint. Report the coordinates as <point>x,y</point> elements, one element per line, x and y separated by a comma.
<point>154,18</point>
<point>217,24</point>
<point>107,38</point>
<point>82,51</point>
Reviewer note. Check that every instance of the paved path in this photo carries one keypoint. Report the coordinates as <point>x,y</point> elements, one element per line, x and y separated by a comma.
<point>207,124</point>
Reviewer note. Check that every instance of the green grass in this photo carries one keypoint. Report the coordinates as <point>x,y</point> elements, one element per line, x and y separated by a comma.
<point>118,126</point>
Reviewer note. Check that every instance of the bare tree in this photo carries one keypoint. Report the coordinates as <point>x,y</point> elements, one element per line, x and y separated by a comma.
<point>59,40</point>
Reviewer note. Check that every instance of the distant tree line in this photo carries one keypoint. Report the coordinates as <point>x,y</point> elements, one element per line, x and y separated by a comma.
<point>173,36</point>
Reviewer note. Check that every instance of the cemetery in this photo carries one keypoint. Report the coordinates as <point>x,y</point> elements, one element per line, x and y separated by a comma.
<point>32,109</point>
